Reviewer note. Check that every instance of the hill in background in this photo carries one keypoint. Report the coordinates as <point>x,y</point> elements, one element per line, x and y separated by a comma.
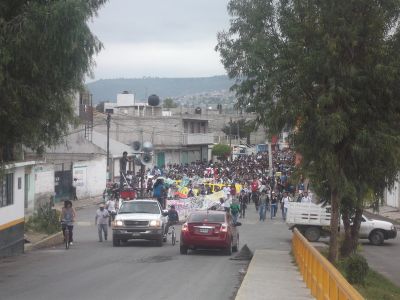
<point>107,89</point>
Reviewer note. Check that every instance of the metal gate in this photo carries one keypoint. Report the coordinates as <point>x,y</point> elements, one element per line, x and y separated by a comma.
<point>63,185</point>
<point>160,159</point>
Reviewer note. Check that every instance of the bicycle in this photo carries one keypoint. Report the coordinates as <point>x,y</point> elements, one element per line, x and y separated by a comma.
<point>173,235</point>
<point>66,235</point>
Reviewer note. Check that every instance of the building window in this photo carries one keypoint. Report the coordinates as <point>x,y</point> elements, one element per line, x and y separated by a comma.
<point>6,190</point>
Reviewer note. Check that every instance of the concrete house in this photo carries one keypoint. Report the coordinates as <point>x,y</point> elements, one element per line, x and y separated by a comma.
<point>12,210</point>
<point>176,139</point>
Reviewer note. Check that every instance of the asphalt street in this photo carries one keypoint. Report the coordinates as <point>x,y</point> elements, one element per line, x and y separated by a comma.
<point>138,270</point>
<point>384,259</point>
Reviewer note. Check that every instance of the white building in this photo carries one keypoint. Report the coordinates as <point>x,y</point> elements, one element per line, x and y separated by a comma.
<point>110,107</point>
<point>12,211</point>
<point>125,99</point>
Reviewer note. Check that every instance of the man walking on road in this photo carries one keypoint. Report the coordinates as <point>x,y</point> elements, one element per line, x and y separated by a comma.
<point>274,203</point>
<point>285,204</point>
<point>263,205</point>
<point>101,221</point>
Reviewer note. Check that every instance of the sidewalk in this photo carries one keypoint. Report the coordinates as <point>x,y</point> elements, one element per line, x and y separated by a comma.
<point>82,203</point>
<point>272,273</point>
<point>391,214</point>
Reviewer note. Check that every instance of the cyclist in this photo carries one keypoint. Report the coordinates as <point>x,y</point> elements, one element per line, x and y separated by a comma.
<point>67,217</point>
<point>173,218</point>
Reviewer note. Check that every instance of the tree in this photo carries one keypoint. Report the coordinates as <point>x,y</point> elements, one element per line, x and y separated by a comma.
<point>46,50</point>
<point>329,70</point>
<point>221,151</point>
<point>169,103</point>
<point>241,128</point>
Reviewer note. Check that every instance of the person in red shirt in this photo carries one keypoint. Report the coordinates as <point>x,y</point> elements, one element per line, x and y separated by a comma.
<point>254,185</point>
<point>254,192</point>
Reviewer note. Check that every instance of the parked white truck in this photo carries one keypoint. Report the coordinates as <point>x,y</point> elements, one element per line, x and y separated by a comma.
<point>313,221</point>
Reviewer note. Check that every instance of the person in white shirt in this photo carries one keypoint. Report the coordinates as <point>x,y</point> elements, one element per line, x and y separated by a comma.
<point>227,191</point>
<point>112,210</point>
<point>306,198</point>
<point>285,203</point>
<point>101,221</point>
<point>227,204</point>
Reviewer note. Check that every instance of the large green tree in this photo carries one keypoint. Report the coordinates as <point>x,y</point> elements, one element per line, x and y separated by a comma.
<point>169,103</point>
<point>241,128</point>
<point>330,70</point>
<point>221,151</point>
<point>46,49</point>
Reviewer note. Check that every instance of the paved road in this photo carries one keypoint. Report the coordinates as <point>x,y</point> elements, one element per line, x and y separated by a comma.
<point>384,259</point>
<point>139,270</point>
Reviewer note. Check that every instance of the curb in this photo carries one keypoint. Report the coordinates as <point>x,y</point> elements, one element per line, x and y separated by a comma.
<point>52,240</point>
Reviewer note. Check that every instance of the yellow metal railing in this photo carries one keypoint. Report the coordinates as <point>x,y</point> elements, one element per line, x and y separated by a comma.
<point>320,276</point>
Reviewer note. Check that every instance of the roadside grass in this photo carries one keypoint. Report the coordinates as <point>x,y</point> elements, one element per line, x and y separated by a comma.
<point>376,286</point>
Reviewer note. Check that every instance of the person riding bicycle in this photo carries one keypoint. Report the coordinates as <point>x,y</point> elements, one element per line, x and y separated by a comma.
<point>173,218</point>
<point>67,217</point>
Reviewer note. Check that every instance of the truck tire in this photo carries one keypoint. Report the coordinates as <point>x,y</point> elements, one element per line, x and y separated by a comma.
<point>159,242</point>
<point>376,237</point>
<point>312,234</point>
<point>116,242</point>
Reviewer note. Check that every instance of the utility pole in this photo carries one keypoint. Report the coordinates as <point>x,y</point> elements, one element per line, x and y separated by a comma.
<point>270,165</point>
<point>108,145</point>
<point>230,137</point>
<point>142,170</point>
<point>238,132</point>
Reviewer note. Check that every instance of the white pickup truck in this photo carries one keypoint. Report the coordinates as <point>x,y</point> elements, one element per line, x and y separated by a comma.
<point>313,221</point>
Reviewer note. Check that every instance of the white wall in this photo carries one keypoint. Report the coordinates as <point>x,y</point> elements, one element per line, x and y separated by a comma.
<point>109,105</point>
<point>125,99</point>
<point>393,197</point>
<point>15,211</point>
<point>91,177</point>
<point>44,184</point>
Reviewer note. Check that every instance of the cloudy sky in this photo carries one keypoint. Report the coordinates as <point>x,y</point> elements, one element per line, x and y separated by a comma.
<point>159,38</point>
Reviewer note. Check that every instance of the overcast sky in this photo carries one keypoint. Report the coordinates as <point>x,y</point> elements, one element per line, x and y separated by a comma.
<point>159,38</point>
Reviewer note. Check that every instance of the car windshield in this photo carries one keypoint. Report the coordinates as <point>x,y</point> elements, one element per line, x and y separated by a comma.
<point>220,218</point>
<point>140,207</point>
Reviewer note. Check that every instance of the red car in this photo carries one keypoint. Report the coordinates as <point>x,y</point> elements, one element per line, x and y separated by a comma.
<point>209,230</point>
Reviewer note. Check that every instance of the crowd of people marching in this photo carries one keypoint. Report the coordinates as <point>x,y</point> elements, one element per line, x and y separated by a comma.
<point>250,172</point>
